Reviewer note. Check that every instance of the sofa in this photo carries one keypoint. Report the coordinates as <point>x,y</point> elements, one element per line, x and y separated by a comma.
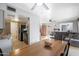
<point>73,42</point>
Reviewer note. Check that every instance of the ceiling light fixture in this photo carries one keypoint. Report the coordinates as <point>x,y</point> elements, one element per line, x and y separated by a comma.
<point>39,4</point>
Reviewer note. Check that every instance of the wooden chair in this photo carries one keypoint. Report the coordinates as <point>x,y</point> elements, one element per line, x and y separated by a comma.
<point>1,54</point>
<point>66,50</point>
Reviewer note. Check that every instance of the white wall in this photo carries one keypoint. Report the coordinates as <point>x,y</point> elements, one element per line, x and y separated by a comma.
<point>2,6</point>
<point>75,26</point>
<point>34,29</point>
<point>1,19</point>
<point>78,26</point>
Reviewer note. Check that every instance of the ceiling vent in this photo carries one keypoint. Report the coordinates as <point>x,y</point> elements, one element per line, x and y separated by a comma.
<point>11,9</point>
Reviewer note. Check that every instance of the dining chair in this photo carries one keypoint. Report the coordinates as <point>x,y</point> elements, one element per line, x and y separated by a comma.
<point>66,50</point>
<point>1,53</point>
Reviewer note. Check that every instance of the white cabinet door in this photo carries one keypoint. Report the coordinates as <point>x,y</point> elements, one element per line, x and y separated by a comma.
<point>1,19</point>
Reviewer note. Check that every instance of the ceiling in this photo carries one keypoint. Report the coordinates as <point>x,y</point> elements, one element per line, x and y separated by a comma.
<point>43,13</point>
<point>57,11</point>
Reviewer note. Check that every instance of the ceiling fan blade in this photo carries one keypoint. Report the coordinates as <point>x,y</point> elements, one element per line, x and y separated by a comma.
<point>45,6</point>
<point>33,6</point>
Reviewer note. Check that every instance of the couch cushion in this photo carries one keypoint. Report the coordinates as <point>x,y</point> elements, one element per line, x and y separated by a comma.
<point>74,42</point>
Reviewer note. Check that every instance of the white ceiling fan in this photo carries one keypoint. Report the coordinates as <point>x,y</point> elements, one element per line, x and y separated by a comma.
<point>39,4</point>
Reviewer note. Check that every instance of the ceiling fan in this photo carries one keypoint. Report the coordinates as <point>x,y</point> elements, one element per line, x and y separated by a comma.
<point>41,4</point>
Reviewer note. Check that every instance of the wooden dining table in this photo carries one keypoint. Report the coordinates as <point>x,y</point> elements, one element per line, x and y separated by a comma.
<point>39,49</point>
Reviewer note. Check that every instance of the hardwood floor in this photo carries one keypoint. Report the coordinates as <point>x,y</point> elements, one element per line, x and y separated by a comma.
<point>17,44</point>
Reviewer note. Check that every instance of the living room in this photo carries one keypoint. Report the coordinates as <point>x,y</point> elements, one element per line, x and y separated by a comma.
<point>38,22</point>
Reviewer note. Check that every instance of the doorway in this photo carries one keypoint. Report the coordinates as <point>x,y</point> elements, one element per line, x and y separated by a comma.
<point>43,31</point>
<point>19,33</point>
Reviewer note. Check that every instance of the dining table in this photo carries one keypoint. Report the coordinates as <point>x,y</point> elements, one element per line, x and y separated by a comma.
<point>38,49</point>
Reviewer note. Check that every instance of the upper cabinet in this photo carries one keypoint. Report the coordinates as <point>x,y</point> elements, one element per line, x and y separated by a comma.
<point>1,19</point>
